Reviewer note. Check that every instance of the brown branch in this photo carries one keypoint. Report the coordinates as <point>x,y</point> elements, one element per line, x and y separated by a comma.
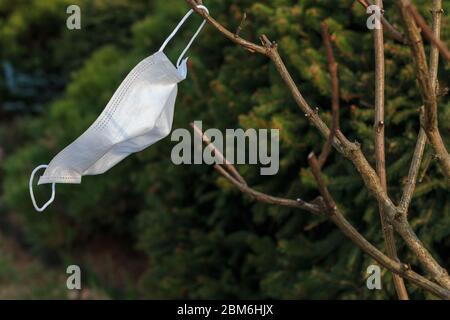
<point>241,25</point>
<point>229,171</point>
<point>350,150</point>
<point>434,51</point>
<point>333,70</point>
<point>347,229</point>
<point>427,87</point>
<point>218,154</point>
<point>422,138</point>
<point>328,199</point>
<point>428,32</point>
<point>379,104</point>
<point>393,32</point>
<point>262,197</point>
<point>388,231</point>
<point>426,166</point>
<point>410,186</point>
<point>353,152</point>
<point>339,220</point>
<point>269,49</point>
<point>250,46</point>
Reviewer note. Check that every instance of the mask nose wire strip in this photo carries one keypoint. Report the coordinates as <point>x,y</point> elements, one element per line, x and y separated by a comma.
<point>52,198</point>
<point>178,27</point>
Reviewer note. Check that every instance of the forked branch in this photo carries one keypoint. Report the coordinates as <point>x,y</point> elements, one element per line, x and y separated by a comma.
<point>350,150</point>
<point>228,170</point>
<point>428,32</point>
<point>408,190</point>
<point>427,86</point>
<point>329,208</point>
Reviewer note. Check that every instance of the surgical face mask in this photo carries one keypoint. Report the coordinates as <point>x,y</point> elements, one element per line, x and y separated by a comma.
<point>139,114</point>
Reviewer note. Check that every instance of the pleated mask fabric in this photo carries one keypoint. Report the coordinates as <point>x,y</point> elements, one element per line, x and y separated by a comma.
<point>139,113</point>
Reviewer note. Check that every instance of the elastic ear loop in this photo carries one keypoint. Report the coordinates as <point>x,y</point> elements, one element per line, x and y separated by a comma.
<point>178,27</point>
<point>52,198</point>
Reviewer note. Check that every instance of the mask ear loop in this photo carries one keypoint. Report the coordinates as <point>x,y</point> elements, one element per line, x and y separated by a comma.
<point>52,198</point>
<point>178,27</point>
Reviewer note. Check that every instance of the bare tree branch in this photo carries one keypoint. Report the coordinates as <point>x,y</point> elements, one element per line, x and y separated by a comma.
<point>422,138</point>
<point>262,197</point>
<point>338,219</point>
<point>333,70</point>
<point>218,154</point>
<point>330,204</point>
<point>427,87</point>
<point>426,166</point>
<point>434,51</point>
<point>388,231</point>
<point>229,171</point>
<point>428,32</point>
<point>250,46</point>
<point>350,150</point>
<point>241,25</point>
<point>393,32</point>
<point>379,104</point>
<point>410,186</point>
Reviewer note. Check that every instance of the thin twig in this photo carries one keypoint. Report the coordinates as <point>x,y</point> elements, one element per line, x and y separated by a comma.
<point>250,46</point>
<point>436,13</point>
<point>422,138</point>
<point>229,171</point>
<point>426,166</point>
<point>333,70</point>
<point>428,32</point>
<point>218,154</point>
<point>241,25</point>
<point>315,169</point>
<point>427,87</point>
<point>388,231</point>
<point>379,104</point>
<point>411,182</point>
<point>262,197</point>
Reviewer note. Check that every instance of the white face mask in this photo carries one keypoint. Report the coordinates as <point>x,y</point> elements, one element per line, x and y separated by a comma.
<point>139,114</point>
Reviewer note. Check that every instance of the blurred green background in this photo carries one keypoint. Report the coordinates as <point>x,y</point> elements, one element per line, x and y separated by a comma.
<point>150,229</point>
